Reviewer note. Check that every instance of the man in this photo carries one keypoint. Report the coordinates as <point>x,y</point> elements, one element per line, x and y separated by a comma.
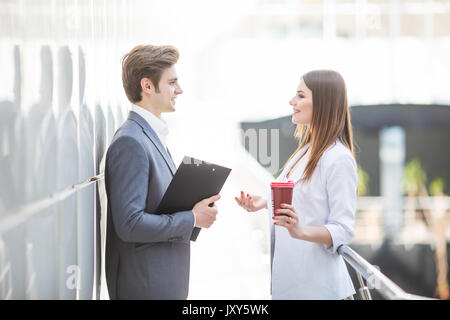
<point>147,252</point>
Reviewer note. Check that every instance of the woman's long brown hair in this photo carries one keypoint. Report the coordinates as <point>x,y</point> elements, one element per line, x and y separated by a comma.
<point>330,118</point>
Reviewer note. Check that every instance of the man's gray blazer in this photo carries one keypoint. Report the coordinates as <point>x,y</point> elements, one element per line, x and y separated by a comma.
<point>147,255</point>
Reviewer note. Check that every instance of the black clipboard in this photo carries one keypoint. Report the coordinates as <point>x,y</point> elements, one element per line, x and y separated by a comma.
<point>193,181</point>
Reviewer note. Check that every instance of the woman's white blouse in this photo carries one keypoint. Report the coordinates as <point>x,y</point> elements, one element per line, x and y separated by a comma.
<point>307,270</point>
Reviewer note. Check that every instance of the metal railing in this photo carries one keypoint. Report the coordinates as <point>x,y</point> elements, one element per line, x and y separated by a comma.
<point>375,278</point>
<point>21,214</point>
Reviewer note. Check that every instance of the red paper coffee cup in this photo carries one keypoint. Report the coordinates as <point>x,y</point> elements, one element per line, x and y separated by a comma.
<point>281,193</point>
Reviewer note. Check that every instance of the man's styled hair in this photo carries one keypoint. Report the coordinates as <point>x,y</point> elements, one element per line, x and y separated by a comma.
<point>145,61</point>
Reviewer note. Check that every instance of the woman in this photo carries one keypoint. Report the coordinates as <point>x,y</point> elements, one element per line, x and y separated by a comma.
<point>305,238</point>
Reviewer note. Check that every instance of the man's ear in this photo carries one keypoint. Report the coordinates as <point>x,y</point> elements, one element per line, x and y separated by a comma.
<point>147,86</point>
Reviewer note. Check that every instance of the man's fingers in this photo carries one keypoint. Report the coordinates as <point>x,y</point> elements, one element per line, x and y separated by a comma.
<point>212,199</point>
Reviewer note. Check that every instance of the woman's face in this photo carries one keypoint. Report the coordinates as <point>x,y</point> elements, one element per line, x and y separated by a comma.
<point>302,105</point>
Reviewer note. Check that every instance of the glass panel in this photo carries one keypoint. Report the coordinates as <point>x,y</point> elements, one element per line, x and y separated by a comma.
<point>87,202</point>
<point>67,175</point>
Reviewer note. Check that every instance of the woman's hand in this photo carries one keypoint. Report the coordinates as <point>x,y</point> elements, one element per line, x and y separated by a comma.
<point>251,203</point>
<point>290,220</point>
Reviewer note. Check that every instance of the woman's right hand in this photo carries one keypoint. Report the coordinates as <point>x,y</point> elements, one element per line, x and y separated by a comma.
<point>251,203</point>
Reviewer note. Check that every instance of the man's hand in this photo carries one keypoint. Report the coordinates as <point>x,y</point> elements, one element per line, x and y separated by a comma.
<point>204,214</point>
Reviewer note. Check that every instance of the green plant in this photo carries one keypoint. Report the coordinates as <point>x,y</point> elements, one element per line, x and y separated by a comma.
<point>363,182</point>
<point>437,186</point>
<point>414,178</point>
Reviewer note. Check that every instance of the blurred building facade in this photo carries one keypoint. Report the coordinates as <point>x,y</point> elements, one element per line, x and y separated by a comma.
<point>352,18</point>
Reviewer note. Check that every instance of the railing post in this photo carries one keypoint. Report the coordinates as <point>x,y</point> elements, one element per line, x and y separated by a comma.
<point>364,290</point>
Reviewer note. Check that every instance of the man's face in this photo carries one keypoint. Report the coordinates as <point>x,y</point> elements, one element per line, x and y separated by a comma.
<point>169,88</point>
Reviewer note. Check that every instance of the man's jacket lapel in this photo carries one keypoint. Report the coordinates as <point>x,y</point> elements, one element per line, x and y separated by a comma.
<point>151,134</point>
